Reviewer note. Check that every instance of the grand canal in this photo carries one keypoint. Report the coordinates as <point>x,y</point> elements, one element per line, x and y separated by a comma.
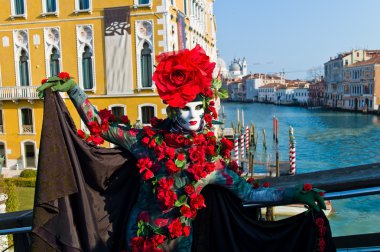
<point>324,140</point>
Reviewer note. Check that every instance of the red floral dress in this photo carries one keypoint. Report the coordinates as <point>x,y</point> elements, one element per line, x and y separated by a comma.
<point>174,168</point>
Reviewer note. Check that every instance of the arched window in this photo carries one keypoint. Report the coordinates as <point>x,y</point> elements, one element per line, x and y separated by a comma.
<point>87,68</point>
<point>24,69</point>
<point>1,122</point>
<point>54,62</point>
<point>26,120</point>
<point>146,66</point>
<point>147,113</point>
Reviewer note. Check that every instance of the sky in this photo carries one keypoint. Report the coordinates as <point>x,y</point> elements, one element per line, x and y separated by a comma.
<point>294,35</point>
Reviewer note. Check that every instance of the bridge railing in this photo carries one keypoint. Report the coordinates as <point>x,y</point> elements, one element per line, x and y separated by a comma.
<point>339,183</point>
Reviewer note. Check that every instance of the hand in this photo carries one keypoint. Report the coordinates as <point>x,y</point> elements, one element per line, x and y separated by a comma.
<point>56,84</point>
<point>310,197</point>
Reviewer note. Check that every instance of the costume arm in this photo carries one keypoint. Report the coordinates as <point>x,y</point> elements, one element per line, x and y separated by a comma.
<point>116,134</point>
<point>230,180</point>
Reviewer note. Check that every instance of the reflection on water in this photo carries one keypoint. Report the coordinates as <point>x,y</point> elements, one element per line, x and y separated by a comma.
<point>325,140</point>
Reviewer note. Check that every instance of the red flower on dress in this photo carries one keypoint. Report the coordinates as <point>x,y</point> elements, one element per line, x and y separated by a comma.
<point>307,187</point>
<point>189,189</point>
<point>171,167</point>
<point>188,212</point>
<point>197,201</point>
<point>160,222</point>
<point>94,127</point>
<point>181,156</point>
<point>180,76</point>
<point>81,134</point>
<point>64,76</point>
<point>186,231</point>
<point>175,228</point>
<point>124,119</point>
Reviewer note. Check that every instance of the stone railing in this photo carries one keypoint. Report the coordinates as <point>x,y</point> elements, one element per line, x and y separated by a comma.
<point>26,129</point>
<point>17,93</point>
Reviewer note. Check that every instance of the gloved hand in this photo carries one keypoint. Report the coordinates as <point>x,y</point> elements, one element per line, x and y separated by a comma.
<point>309,196</point>
<point>56,84</point>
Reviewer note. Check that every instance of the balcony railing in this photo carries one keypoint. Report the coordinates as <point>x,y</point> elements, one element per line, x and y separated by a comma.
<point>27,129</point>
<point>17,93</point>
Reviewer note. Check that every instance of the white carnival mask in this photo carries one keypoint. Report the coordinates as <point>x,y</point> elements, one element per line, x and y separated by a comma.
<point>191,115</point>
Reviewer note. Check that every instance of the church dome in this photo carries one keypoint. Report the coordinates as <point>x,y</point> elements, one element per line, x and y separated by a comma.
<point>235,67</point>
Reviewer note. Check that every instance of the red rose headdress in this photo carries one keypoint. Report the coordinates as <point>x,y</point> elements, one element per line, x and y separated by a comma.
<point>181,76</point>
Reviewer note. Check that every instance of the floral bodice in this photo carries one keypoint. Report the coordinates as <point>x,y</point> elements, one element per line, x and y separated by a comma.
<point>174,168</point>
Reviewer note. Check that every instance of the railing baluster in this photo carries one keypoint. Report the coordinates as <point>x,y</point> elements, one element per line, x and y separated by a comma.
<point>15,93</point>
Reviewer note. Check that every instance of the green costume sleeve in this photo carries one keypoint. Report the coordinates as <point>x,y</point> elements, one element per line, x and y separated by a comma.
<point>116,134</point>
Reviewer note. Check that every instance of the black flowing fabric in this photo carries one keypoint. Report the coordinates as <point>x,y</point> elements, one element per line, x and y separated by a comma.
<point>84,193</point>
<point>225,225</point>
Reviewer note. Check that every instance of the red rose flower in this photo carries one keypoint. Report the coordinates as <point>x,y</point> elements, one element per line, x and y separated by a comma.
<point>186,231</point>
<point>188,212</point>
<point>158,239</point>
<point>64,76</point>
<point>124,119</point>
<point>196,155</point>
<point>170,152</point>
<point>307,187</point>
<point>145,141</point>
<point>171,167</point>
<point>208,118</point>
<point>155,122</point>
<point>97,140</point>
<point>250,180</point>
<point>43,81</point>
<point>105,114</point>
<point>322,245</point>
<point>181,156</point>
<point>180,139</point>
<point>94,127</point>
<point>208,92</point>
<point>147,131</point>
<point>175,228</point>
<point>209,167</point>
<point>166,183</point>
<point>180,76</point>
<point>212,103</point>
<point>144,216</point>
<point>227,144</point>
<point>152,144</point>
<point>104,126</point>
<point>266,184</point>
<point>81,134</point>
<point>197,201</point>
<point>200,139</point>
<point>189,189</point>
<point>160,222</point>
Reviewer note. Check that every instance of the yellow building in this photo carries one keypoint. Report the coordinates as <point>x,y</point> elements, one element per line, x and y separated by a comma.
<point>108,46</point>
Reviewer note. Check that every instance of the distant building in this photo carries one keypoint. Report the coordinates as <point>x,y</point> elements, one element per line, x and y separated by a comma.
<point>267,93</point>
<point>334,74</point>
<point>362,85</point>
<point>316,94</point>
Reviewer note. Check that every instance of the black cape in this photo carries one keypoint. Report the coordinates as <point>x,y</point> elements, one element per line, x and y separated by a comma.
<point>84,195</point>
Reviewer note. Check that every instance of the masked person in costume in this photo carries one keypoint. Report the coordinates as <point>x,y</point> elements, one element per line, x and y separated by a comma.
<point>176,157</point>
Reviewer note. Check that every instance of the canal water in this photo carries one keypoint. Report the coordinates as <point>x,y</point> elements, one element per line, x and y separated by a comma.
<point>324,140</point>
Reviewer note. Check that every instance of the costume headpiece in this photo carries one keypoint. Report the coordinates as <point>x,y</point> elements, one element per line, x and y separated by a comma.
<point>181,76</point>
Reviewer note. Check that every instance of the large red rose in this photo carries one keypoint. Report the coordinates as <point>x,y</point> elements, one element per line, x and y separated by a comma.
<point>180,76</point>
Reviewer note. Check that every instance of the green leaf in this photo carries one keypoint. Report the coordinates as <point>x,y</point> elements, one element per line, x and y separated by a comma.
<point>182,199</point>
<point>179,181</point>
<point>223,93</point>
<point>180,164</point>
<point>177,203</point>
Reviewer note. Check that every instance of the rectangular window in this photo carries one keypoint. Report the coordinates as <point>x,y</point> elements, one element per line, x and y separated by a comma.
<point>185,6</point>
<point>117,111</point>
<point>19,7</point>
<point>144,1</point>
<point>84,4</point>
<point>147,113</point>
<point>27,120</point>
<point>50,6</point>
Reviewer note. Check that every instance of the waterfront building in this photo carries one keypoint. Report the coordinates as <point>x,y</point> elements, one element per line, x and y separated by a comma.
<point>316,94</point>
<point>362,85</point>
<point>108,46</point>
<point>301,94</point>
<point>284,95</point>
<point>333,72</point>
<point>267,93</point>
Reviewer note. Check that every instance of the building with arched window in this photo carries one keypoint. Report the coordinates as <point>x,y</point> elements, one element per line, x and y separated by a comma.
<point>109,47</point>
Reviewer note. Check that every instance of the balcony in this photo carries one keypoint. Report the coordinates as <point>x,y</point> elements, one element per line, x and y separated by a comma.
<point>27,129</point>
<point>18,93</point>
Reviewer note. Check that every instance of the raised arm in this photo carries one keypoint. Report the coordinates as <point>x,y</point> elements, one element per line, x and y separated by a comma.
<point>116,134</point>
